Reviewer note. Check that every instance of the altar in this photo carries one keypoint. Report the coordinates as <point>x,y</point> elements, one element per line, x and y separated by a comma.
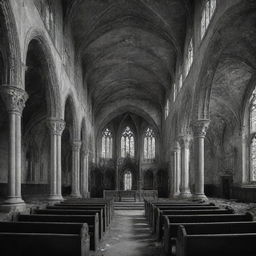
<point>136,195</point>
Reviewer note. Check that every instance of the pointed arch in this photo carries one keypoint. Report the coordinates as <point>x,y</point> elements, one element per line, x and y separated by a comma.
<point>52,88</point>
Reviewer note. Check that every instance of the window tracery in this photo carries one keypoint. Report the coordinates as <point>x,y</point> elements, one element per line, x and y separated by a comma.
<point>107,142</point>
<point>127,143</point>
<point>149,144</point>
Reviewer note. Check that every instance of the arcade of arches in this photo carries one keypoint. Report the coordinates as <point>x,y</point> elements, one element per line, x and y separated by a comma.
<point>127,95</point>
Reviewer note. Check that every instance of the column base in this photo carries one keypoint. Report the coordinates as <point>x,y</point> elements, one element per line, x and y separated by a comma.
<point>75,195</point>
<point>86,195</point>
<point>15,204</point>
<point>200,197</point>
<point>55,198</point>
<point>185,195</point>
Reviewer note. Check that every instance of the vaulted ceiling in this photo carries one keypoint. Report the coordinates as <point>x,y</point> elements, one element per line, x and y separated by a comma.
<point>129,48</point>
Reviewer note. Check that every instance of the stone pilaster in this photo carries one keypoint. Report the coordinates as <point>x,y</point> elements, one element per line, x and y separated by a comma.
<point>176,170</point>
<point>14,99</point>
<point>75,192</point>
<point>56,127</point>
<point>185,141</point>
<point>84,173</point>
<point>199,128</point>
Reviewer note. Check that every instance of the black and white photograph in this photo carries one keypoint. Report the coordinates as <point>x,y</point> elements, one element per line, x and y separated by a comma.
<point>127,127</point>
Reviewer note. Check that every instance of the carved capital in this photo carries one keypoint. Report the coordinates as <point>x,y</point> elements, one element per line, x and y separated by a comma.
<point>175,146</point>
<point>185,140</point>
<point>84,150</point>
<point>200,127</point>
<point>14,98</point>
<point>56,126</point>
<point>76,145</point>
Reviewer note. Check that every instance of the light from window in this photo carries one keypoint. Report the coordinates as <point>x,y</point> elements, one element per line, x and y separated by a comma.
<point>167,108</point>
<point>180,81</point>
<point>127,143</point>
<point>128,180</point>
<point>189,57</point>
<point>175,92</point>
<point>252,124</point>
<point>207,13</point>
<point>149,144</point>
<point>107,142</point>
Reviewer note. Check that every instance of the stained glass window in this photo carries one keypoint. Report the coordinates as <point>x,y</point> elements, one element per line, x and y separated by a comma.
<point>167,108</point>
<point>189,57</point>
<point>107,141</point>
<point>128,180</point>
<point>175,92</point>
<point>127,143</point>
<point>207,13</point>
<point>180,81</point>
<point>149,144</point>
<point>253,137</point>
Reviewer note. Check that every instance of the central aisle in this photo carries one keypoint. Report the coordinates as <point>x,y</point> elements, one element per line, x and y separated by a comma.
<point>129,235</point>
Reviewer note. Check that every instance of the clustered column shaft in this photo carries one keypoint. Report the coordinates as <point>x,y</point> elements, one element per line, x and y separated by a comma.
<point>14,99</point>
<point>56,127</point>
<point>76,145</point>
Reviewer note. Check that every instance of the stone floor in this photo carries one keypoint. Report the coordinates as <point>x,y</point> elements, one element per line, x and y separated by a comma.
<point>129,235</point>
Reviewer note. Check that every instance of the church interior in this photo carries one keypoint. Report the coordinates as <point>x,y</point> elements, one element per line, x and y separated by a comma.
<point>128,127</point>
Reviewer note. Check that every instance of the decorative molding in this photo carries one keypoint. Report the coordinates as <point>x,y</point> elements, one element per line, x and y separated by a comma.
<point>14,98</point>
<point>185,140</point>
<point>76,145</point>
<point>200,127</point>
<point>56,126</point>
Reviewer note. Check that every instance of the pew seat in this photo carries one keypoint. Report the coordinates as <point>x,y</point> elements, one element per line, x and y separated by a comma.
<point>92,221</point>
<point>236,244</point>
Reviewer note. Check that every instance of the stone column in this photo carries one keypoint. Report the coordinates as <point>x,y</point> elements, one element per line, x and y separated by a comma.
<point>176,170</point>
<point>199,128</point>
<point>56,127</point>
<point>184,141</point>
<point>14,99</point>
<point>76,145</point>
<point>84,173</point>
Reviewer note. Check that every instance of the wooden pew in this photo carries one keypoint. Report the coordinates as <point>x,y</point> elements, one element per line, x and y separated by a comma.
<point>75,212</point>
<point>172,203</point>
<point>160,221</point>
<point>225,244</point>
<point>91,220</point>
<point>27,239</point>
<point>106,218</point>
<point>171,224</point>
<point>93,201</point>
<point>175,207</point>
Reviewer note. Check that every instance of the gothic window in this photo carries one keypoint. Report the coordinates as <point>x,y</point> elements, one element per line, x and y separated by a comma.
<point>180,81</point>
<point>189,57</point>
<point>127,143</point>
<point>207,13</point>
<point>175,92</point>
<point>128,180</point>
<point>149,144</point>
<point>167,108</point>
<point>252,126</point>
<point>107,141</point>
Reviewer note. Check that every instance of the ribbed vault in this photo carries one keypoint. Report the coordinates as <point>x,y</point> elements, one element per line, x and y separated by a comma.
<point>128,48</point>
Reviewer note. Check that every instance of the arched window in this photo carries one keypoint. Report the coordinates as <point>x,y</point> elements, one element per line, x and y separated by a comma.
<point>127,180</point>
<point>252,129</point>
<point>167,108</point>
<point>207,13</point>
<point>107,141</point>
<point>127,143</point>
<point>189,57</point>
<point>149,144</point>
<point>175,92</point>
<point>180,81</point>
